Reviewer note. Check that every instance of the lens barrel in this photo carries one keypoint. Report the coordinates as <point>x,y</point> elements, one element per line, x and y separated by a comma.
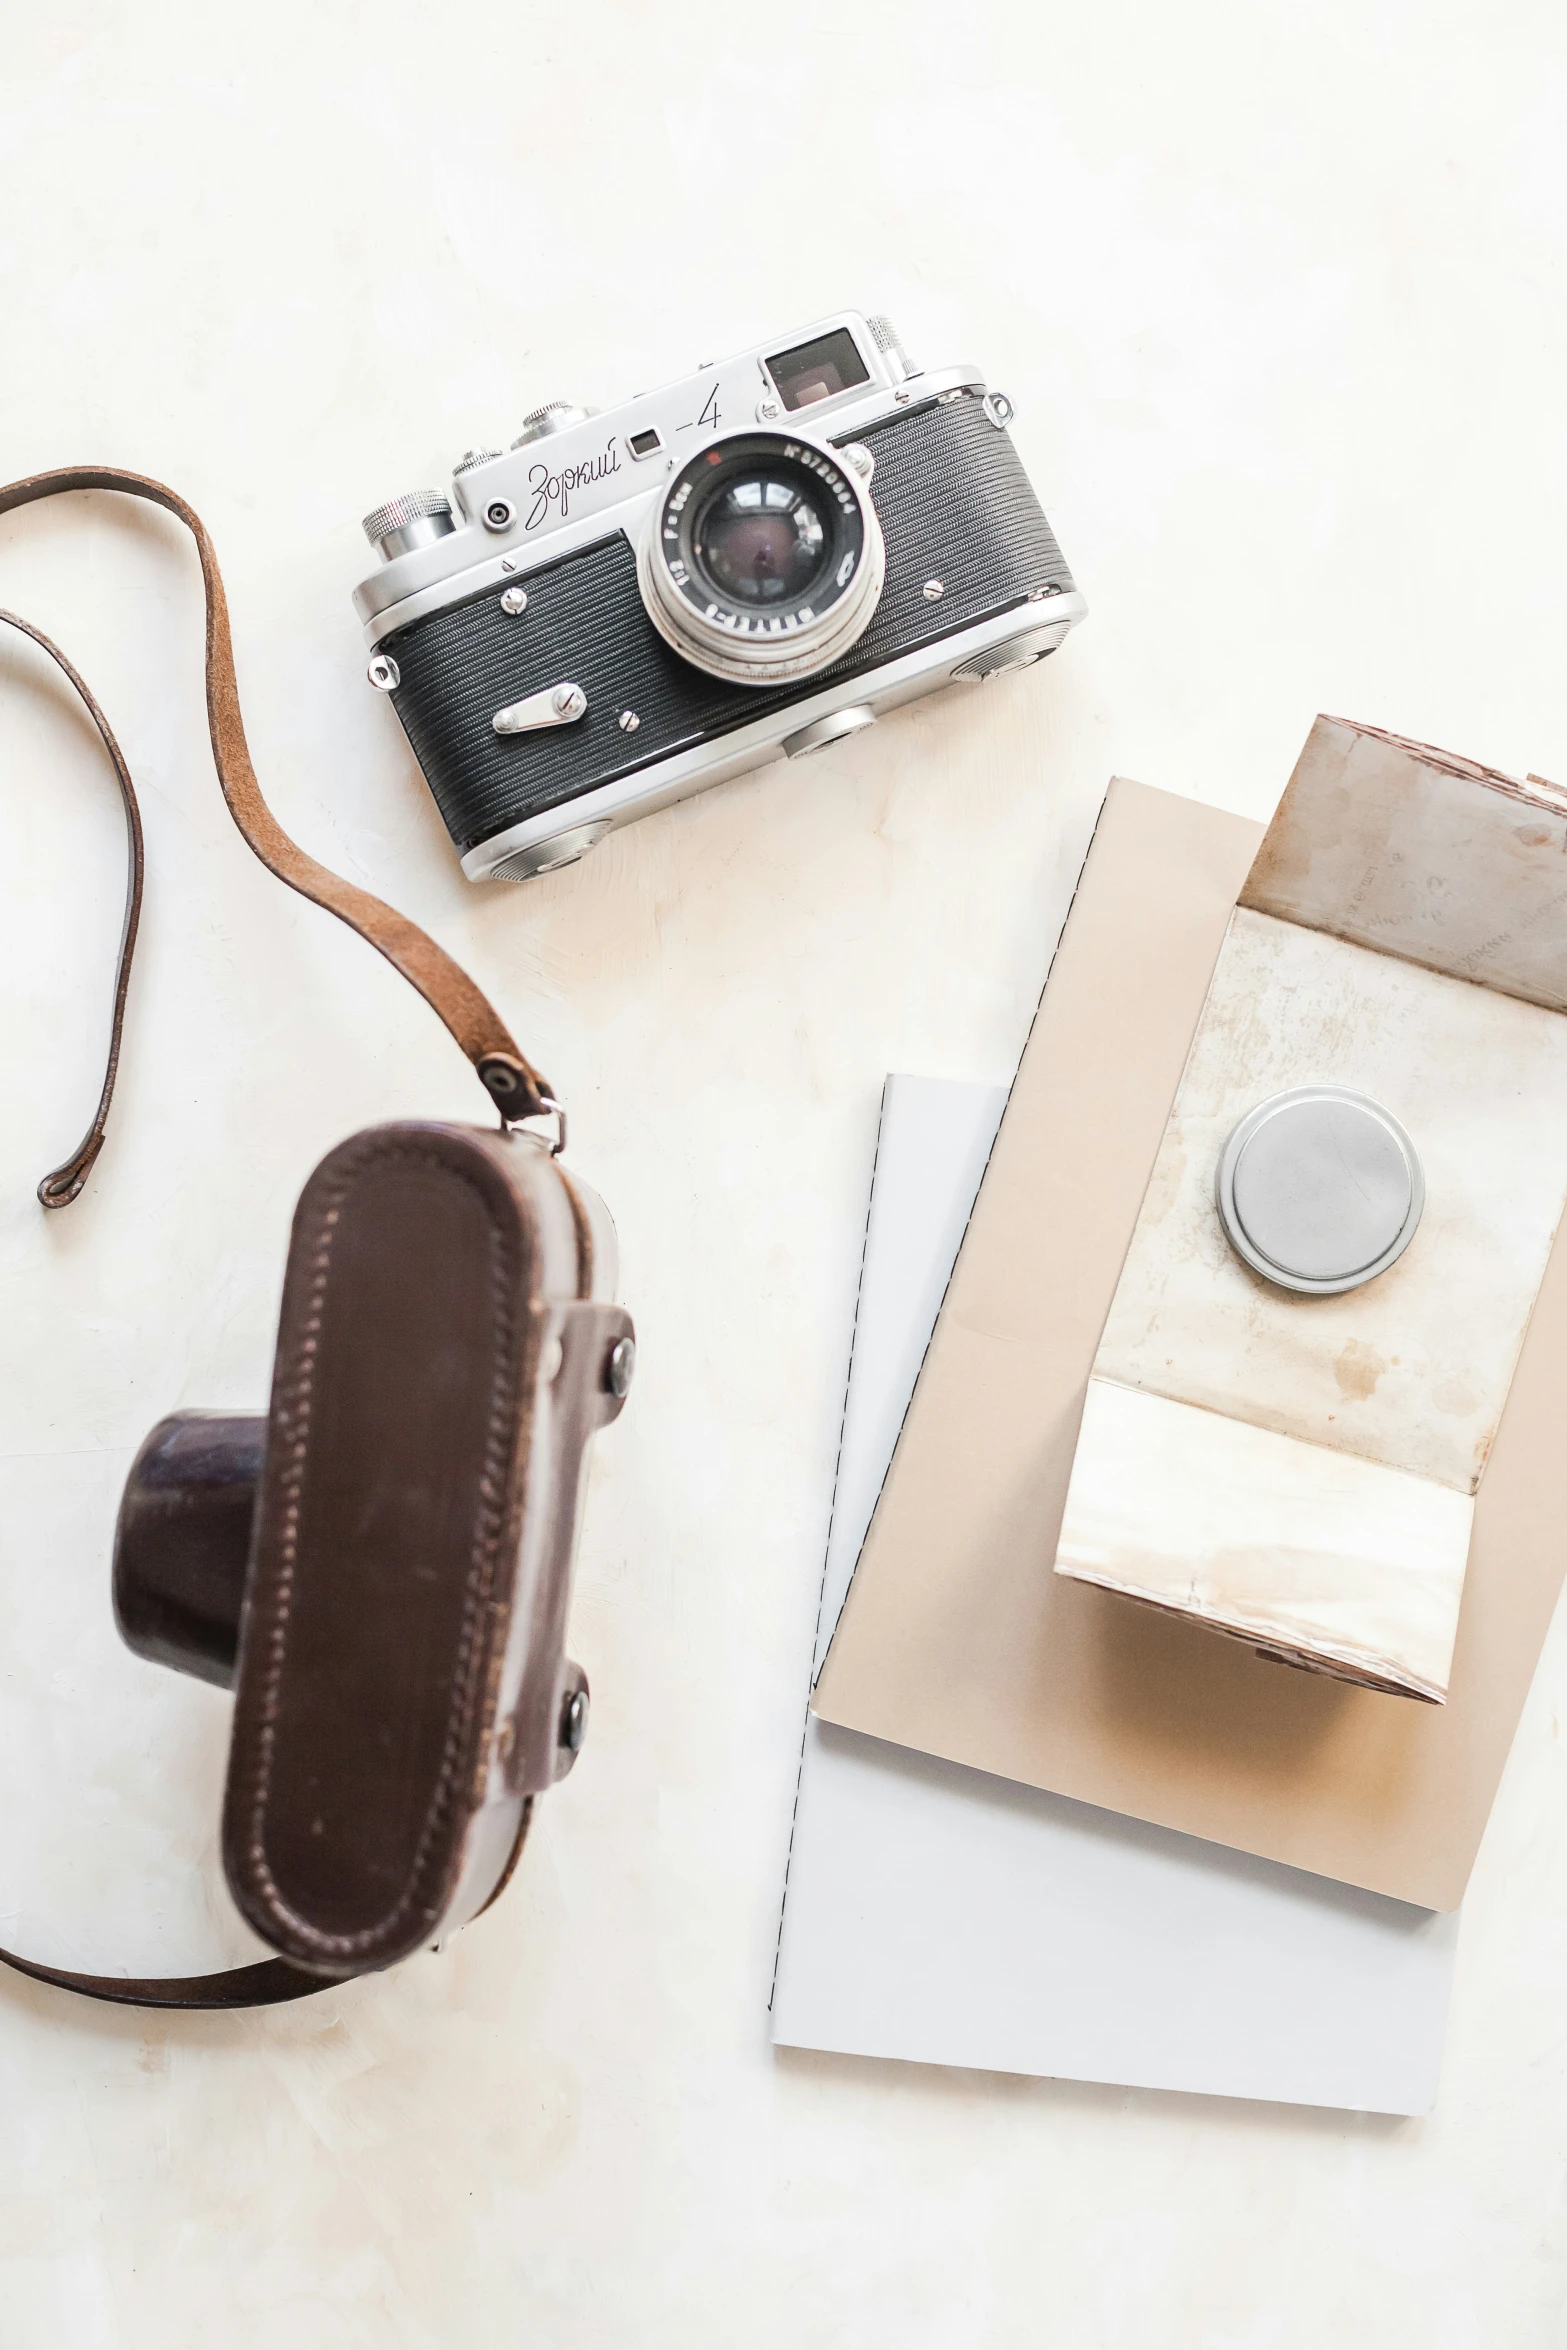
<point>763,560</point>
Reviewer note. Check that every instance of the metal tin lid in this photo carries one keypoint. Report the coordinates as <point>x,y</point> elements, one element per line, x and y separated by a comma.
<point>1320,1189</point>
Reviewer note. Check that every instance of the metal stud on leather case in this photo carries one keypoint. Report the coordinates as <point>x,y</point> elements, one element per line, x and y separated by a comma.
<point>379,1566</point>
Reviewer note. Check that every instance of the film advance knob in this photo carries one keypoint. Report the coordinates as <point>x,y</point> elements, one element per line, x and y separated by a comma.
<point>408,522</point>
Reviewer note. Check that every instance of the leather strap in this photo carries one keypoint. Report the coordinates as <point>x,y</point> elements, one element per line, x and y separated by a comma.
<point>57,1190</point>
<point>266,1984</point>
<point>515,1087</point>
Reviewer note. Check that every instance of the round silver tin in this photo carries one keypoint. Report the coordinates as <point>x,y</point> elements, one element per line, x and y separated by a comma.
<point>1320,1189</point>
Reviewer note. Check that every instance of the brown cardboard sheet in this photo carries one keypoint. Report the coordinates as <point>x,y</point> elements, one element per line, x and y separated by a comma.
<point>959,1640</point>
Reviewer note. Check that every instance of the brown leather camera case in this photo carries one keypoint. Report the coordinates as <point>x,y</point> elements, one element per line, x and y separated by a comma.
<point>379,1567</point>
<point>401,1688</point>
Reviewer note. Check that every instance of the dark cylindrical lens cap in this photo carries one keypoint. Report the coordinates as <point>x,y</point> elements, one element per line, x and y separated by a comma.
<point>182,1543</point>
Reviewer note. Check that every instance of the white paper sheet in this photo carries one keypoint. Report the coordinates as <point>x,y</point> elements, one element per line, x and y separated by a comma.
<point>942,1916</point>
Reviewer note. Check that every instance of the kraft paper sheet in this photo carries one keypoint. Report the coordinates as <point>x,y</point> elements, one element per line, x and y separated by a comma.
<point>957,1638</point>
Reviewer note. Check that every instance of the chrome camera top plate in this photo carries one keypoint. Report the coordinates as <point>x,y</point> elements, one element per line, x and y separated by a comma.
<point>556,486</point>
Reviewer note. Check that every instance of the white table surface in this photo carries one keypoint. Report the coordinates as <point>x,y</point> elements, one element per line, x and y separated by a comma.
<point>1279,294</point>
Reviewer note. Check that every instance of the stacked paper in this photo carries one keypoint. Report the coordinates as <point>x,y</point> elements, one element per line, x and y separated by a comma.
<point>1045,1829</point>
<point>958,1638</point>
<point>946,1916</point>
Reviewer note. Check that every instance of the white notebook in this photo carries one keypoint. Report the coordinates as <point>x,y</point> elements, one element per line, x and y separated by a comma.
<point>939,1915</point>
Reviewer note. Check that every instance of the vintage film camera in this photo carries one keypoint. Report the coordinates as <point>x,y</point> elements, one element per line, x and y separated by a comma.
<point>760,558</point>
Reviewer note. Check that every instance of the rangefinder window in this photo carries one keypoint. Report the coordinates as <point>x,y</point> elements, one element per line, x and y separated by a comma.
<point>816,371</point>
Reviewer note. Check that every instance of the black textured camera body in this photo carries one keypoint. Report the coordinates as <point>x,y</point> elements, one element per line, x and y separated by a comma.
<point>966,541</point>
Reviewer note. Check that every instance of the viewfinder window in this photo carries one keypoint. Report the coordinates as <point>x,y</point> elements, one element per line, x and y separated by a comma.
<point>816,371</point>
<point>645,444</point>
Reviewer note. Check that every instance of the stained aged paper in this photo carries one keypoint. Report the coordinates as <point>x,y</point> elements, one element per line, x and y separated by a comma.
<point>1420,854</point>
<point>1411,1370</point>
<point>1382,859</point>
<point>1322,1558</point>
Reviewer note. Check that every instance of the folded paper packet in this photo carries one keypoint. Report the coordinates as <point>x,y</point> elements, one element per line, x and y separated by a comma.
<point>958,1639</point>
<point>1298,1469</point>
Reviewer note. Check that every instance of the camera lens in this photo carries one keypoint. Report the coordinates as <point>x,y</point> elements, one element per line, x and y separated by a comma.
<point>763,561</point>
<point>761,540</point>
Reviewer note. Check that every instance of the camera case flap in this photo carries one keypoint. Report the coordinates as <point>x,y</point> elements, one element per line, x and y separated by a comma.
<point>380,1565</point>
